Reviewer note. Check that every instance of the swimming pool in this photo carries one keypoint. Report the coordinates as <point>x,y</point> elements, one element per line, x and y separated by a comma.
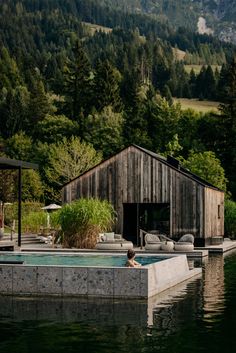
<point>90,274</point>
<point>98,260</point>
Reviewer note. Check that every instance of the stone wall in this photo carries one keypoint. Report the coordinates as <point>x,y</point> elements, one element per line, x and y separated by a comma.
<point>111,282</point>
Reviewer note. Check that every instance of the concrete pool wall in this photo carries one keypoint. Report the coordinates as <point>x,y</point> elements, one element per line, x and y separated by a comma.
<point>114,282</point>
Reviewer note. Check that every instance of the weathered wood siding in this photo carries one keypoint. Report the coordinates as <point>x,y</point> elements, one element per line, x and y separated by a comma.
<point>214,213</point>
<point>133,176</point>
<point>187,205</point>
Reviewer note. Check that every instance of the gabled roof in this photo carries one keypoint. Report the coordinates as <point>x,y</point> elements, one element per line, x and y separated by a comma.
<point>175,164</point>
<point>169,161</point>
<point>7,163</point>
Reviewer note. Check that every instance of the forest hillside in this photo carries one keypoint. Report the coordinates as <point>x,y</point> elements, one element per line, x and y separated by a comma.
<point>79,80</point>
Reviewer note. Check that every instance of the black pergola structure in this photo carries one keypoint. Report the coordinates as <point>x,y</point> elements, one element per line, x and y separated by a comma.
<point>13,164</point>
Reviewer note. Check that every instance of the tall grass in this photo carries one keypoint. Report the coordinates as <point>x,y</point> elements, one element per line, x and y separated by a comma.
<point>82,221</point>
<point>33,221</point>
<point>27,207</point>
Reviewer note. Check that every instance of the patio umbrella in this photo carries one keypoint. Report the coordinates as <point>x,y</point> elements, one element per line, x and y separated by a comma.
<point>49,208</point>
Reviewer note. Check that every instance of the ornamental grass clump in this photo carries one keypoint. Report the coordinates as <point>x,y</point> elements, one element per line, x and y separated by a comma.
<point>33,221</point>
<point>82,221</point>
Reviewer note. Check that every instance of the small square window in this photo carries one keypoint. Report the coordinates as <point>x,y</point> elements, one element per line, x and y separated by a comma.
<point>219,212</point>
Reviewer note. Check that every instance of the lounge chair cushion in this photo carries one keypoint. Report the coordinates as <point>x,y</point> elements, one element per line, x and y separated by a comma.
<point>109,236</point>
<point>189,238</point>
<point>151,238</point>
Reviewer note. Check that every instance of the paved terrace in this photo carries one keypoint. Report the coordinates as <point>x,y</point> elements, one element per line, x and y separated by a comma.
<point>227,245</point>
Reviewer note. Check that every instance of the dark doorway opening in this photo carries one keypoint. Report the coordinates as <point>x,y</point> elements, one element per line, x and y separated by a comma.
<point>146,216</point>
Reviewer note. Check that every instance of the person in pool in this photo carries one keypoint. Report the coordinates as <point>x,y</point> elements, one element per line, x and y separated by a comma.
<point>130,259</point>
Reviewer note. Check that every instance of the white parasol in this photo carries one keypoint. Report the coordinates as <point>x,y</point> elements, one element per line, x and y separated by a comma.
<point>51,207</point>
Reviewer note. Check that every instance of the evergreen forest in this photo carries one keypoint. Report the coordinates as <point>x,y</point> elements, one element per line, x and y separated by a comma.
<point>80,80</point>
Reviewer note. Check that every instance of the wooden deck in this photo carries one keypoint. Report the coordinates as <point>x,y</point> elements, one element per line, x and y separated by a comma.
<point>222,248</point>
<point>8,245</point>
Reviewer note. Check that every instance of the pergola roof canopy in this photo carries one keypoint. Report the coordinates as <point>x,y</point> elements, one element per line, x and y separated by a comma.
<point>13,164</point>
<point>7,163</point>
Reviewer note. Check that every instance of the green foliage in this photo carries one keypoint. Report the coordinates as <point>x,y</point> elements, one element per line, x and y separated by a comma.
<point>54,220</point>
<point>66,160</point>
<point>8,179</point>
<point>227,123</point>
<point>162,121</point>
<point>14,108</point>
<point>54,128</point>
<point>32,187</point>
<point>82,221</point>
<point>11,210</point>
<point>19,146</point>
<point>77,73</point>
<point>173,147</point>
<point>9,71</point>
<point>104,131</point>
<point>188,127</point>
<point>34,221</point>
<point>230,218</point>
<point>39,105</point>
<point>207,167</point>
<point>57,80</point>
<point>106,86</point>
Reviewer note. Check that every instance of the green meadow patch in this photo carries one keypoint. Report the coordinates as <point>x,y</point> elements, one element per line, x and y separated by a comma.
<point>93,28</point>
<point>197,68</point>
<point>195,104</point>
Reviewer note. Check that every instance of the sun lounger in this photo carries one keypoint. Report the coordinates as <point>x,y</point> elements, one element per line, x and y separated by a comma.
<point>112,241</point>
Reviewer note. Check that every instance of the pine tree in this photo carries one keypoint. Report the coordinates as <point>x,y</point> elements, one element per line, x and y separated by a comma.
<point>39,105</point>
<point>106,86</point>
<point>210,84</point>
<point>227,123</point>
<point>77,84</point>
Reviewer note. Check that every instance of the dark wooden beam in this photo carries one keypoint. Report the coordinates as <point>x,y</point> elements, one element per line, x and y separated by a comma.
<point>19,204</point>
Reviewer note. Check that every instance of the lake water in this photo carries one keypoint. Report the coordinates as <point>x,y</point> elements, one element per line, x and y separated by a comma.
<point>199,316</point>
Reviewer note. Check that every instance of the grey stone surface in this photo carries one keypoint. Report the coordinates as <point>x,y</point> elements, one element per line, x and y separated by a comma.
<point>75,280</point>
<point>144,283</point>
<point>166,274</point>
<point>50,279</point>
<point>127,282</point>
<point>101,281</point>
<point>25,279</point>
<point>6,279</point>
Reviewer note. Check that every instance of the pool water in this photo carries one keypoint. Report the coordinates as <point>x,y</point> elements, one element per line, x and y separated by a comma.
<point>200,317</point>
<point>79,259</point>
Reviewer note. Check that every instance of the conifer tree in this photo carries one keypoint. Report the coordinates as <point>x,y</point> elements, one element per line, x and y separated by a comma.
<point>106,86</point>
<point>210,84</point>
<point>77,85</point>
<point>227,123</point>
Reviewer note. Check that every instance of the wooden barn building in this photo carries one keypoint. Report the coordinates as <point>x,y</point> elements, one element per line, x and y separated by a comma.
<point>151,192</point>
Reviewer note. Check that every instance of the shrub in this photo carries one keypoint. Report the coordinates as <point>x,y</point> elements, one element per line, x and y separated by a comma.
<point>82,221</point>
<point>230,218</point>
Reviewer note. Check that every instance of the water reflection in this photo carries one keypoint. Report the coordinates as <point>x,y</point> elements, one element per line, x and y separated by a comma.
<point>105,311</point>
<point>197,316</point>
<point>213,289</point>
<point>171,309</point>
<point>89,310</point>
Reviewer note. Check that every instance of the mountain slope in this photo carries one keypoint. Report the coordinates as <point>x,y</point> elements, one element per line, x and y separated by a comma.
<point>219,15</point>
